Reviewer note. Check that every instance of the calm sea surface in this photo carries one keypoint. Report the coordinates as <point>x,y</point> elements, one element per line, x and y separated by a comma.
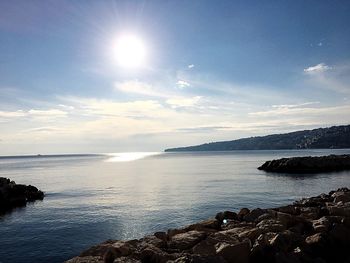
<point>93,198</point>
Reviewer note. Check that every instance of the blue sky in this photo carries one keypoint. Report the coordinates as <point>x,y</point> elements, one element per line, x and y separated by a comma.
<point>214,70</point>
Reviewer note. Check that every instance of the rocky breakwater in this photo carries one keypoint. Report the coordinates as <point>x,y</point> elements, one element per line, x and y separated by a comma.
<point>315,229</point>
<point>16,195</point>
<point>308,164</point>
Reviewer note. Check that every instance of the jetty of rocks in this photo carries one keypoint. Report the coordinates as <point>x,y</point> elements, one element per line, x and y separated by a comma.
<point>316,164</point>
<point>315,229</point>
<point>14,195</point>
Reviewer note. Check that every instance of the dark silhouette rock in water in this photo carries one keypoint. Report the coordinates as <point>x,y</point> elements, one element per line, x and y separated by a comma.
<point>308,164</point>
<point>14,195</point>
<point>315,229</point>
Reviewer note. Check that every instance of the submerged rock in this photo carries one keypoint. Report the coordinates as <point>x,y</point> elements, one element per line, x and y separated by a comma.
<point>16,195</point>
<point>315,229</point>
<point>308,164</point>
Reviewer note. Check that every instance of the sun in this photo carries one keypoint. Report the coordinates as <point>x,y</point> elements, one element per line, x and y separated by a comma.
<point>129,51</point>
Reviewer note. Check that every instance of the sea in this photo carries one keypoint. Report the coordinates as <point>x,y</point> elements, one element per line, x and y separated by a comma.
<point>92,198</point>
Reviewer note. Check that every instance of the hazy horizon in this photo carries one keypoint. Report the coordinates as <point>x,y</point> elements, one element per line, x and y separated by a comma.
<point>122,76</point>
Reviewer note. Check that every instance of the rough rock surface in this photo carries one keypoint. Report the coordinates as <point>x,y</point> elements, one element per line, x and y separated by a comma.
<point>308,164</point>
<point>315,229</point>
<point>16,195</point>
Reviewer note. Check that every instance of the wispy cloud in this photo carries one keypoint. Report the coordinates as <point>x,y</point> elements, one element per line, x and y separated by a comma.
<point>183,102</point>
<point>329,78</point>
<point>45,129</point>
<point>47,113</point>
<point>183,84</point>
<point>12,114</point>
<point>295,105</point>
<point>322,67</point>
<point>203,129</point>
<point>190,66</point>
<point>137,87</point>
<point>321,112</point>
<point>66,107</point>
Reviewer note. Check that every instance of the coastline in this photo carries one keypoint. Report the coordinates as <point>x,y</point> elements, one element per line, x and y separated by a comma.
<point>314,229</point>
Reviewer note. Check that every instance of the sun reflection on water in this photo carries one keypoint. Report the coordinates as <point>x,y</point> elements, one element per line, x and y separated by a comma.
<point>129,156</point>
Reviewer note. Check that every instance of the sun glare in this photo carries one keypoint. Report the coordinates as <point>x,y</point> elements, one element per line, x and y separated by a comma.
<point>129,51</point>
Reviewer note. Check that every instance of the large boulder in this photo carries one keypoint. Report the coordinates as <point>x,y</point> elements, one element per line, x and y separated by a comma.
<point>254,214</point>
<point>317,164</point>
<point>186,240</point>
<point>237,253</point>
<point>14,195</point>
<point>341,197</point>
<point>226,215</point>
<point>271,225</point>
<point>285,241</point>
<point>321,225</point>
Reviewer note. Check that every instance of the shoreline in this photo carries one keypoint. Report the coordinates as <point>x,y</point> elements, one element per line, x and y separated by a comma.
<point>314,229</point>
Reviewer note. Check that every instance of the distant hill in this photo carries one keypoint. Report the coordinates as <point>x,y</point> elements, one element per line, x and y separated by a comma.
<point>322,138</point>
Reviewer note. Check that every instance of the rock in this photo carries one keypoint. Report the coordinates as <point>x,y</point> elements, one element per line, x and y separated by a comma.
<point>265,216</point>
<point>311,213</point>
<point>251,234</point>
<point>345,221</point>
<point>238,253</point>
<point>161,235</point>
<point>289,209</point>
<point>243,212</point>
<point>282,257</point>
<point>234,224</point>
<point>226,215</point>
<point>317,244</point>
<point>315,229</point>
<point>199,259</point>
<point>152,240</point>
<point>234,232</point>
<point>314,239</point>
<point>317,164</point>
<point>154,254</point>
<point>341,197</point>
<point>173,232</point>
<point>127,260</point>
<point>208,245</point>
<point>254,214</point>
<point>205,247</point>
<point>339,211</point>
<point>32,193</point>
<point>210,225</point>
<point>271,225</point>
<point>302,227</point>
<point>223,236</point>
<point>87,259</point>
<point>186,240</point>
<point>98,250</point>
<point>207,225</point>
<point>285,241</point>
<point>321,225</point>
<point>286,219</point>
<point>117,250</point>
<point>341,235</point>
<point>16,195</point>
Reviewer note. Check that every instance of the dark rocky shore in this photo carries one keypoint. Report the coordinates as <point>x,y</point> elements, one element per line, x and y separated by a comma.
<point>308,164</point>
<point>315,229</point>
<point>14,195</point>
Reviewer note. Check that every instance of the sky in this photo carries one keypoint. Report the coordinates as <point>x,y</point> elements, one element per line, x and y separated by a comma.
<point>210,71</point>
